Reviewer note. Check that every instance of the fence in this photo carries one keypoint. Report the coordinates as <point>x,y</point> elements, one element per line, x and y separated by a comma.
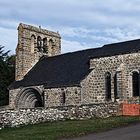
<point>130,109</point>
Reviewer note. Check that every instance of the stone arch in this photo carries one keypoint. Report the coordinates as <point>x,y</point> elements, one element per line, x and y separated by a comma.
<point>32,43</point>
<point>134,70</point>
<point>51,46</point>
<point>29,98</point>
<point>51,43</point>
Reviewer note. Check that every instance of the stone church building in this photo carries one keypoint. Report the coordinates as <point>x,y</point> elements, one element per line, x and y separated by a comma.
<point>47,78</point>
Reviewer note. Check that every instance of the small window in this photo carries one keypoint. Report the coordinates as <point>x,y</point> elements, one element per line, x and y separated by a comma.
<point>115,87</point>
<point>39,43</point>
<point>135,83</point>
<point>63,97</point>
<point>108,85</point>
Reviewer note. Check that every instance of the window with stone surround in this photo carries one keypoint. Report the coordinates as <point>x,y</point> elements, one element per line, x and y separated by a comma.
<point>108,85</point>
<point>39,43</point>
<point>135,83</point>
<point>115,86</point>
<point>32,43</point>
<point>45,47</point>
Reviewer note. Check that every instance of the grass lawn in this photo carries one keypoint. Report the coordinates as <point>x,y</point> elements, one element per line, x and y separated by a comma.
<point>69,128</point>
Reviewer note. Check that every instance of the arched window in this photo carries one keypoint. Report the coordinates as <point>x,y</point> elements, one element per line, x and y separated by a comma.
<point>63,97</point>
<point>32,43</point>
<point>39,43</point>
<point>115,86</point>
<point>135,83</point>
<point>108,85</point>
<point>45,47</point>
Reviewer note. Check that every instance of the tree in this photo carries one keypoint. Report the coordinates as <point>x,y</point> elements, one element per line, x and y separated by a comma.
<point>7,68</point>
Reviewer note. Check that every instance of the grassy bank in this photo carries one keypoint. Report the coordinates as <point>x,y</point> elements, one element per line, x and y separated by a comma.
<point>57,130</point>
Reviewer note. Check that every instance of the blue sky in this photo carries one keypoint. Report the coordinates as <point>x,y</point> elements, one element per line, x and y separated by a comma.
<point>82,24</point>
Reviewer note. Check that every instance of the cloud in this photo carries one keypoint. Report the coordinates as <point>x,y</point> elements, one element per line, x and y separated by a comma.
<point>71,12</point>
<point>82,24</point>
<point>70,46</point>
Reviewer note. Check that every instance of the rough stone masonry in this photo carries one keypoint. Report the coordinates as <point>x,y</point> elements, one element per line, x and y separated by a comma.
<point>83,84</point>
<point>25,116</point>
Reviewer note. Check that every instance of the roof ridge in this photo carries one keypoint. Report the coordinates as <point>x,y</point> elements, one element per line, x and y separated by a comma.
<point>121,42</point>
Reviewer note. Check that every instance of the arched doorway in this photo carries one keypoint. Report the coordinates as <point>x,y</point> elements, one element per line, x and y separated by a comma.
<point>29,98</point>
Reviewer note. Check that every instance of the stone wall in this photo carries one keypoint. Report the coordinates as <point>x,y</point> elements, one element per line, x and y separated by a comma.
<point>93,86</point>
<point>27,51</point>
<point>54,96</point>
<point>4,107</point>
<point>14,118</point>
<point>15,93</point>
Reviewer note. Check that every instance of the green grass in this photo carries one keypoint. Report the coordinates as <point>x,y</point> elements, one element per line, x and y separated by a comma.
<point>58,130</point>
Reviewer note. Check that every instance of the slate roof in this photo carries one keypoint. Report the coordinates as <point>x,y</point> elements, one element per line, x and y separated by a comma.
<point>70,68</point>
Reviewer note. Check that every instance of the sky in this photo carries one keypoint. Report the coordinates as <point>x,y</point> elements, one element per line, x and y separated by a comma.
<point>82,24</point>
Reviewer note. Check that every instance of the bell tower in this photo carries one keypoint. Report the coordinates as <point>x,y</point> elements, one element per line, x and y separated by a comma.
<point>34,43</point>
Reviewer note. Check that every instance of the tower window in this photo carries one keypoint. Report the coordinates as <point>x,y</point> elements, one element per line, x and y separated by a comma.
<point>45,47</point>
<point>32,43</point>
<point>50,43</point>
<point>39,43</point>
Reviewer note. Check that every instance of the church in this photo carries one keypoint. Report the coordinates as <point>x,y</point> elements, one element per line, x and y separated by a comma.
<point>46,78</point>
